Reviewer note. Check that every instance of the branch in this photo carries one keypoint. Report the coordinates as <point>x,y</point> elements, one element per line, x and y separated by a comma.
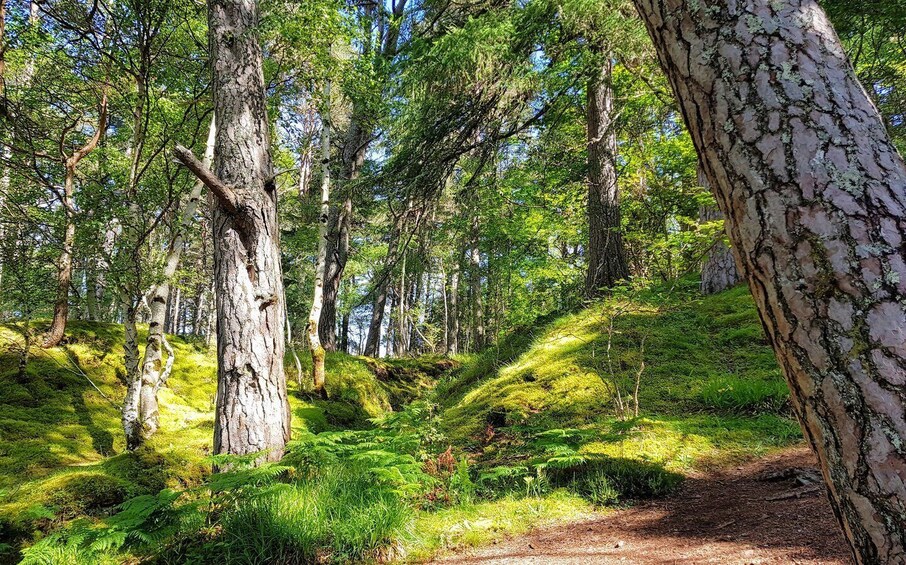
<point>222,191</point>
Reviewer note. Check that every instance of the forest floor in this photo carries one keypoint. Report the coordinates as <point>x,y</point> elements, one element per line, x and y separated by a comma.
<point>765,511</point>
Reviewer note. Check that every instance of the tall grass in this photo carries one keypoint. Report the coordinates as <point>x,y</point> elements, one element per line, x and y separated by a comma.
<point>340,514</point>
<point>749,396</point>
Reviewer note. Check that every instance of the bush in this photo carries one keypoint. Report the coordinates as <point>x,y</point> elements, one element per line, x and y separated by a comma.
<point>746,395</point>
<point>87,493</point>
<point>609,480</point>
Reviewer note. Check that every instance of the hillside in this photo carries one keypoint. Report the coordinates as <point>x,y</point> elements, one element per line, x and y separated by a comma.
<point>709,392</point>
<point>525,433</point>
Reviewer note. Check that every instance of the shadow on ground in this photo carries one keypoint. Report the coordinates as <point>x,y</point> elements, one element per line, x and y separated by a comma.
<point>749,514</point>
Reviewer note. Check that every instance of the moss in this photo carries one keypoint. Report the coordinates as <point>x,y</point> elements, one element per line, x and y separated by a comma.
<point>61,442</point>
<point>561,379</point>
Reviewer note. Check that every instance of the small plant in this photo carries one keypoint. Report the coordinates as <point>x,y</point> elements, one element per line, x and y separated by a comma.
<point>745,395</point>
<point>609,480</point>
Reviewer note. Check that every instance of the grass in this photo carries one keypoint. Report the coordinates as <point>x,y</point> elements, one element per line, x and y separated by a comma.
<point>526,433</point>
<point>61,443</point>
<point>710,391</point>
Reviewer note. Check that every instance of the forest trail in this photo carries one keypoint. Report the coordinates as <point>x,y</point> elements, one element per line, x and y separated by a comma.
<point>747,514</point>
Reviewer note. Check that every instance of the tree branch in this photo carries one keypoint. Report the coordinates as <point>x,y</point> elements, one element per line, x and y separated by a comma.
<point>222,191</point>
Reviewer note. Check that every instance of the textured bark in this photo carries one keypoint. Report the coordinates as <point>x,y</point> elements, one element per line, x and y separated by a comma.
<point>815,198</point>
<point>719,270</point>
<point>252,413</point>
<point>356,144</point>
<point>64,263</point>
<point>317,303</point>
<point>607,263</point>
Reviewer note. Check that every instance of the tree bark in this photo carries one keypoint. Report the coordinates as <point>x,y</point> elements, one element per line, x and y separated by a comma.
<point>131,404</point>
<point>317,304</point>
<point>815,198</point>
<point>719,270</point>
<point>252,412</point>
<point>607,263</point>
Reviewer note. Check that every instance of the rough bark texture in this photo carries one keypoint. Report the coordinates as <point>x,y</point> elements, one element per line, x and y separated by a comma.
<point>607,263</point>
<point>719,270</point>
<point>355,146</point>
<point>815,197</point>
<point>252,411</point>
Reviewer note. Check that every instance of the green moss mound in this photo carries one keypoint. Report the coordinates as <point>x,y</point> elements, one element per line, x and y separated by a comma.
<point>62,451</point>
<point>709,390</point>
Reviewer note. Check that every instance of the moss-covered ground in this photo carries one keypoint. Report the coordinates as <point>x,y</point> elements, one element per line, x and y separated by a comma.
<point>527,432</point>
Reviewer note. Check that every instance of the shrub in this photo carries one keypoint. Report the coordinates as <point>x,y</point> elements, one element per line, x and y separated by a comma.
<point>746,395</point>
<point>87,493</point>
<point>608,480</point>
<point>341,514</point>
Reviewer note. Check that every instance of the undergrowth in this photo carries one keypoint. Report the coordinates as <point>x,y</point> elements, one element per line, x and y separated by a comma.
<point>395,465</point>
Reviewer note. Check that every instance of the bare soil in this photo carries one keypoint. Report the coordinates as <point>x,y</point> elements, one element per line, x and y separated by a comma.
<point>765,511</point>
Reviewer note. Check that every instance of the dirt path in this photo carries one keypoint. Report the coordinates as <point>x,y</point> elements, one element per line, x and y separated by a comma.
<point>742,515</point>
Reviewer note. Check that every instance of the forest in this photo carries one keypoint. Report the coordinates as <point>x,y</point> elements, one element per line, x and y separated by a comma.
<point>452,281</point>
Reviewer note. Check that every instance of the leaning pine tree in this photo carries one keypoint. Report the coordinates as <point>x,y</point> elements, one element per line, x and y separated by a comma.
<point>815,198</point>
<point>252,413</point>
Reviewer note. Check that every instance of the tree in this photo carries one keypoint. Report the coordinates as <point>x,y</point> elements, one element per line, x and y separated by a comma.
<point>815,194</point>
<point>64,264</point>
<point>252,410</point>
<point>719,270</point>
<point>317,303</point>
<point>607,264</point>
<point>140,410</point>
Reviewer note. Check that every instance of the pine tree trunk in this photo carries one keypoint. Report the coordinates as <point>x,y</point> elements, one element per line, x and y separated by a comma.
<point>719,270</point>
<point>607,263</point>
<point>252,412</point>
<point>814,193</point>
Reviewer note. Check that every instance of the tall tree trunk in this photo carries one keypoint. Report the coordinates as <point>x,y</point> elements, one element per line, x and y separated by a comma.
<point>252,412</point>
<point>317,304</point>
<point>815,198</point>
<point>64,265</point>
<point>453,316</point>
<point>607,263</point>
<point>719,269</point>
<point>355,147</point>
<point>132,402</point>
